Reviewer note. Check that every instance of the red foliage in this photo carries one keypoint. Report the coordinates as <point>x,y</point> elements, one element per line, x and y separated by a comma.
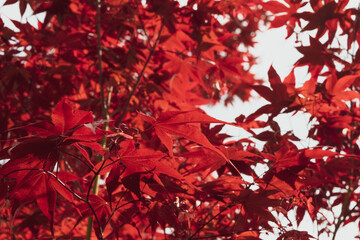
<point>102,135</point>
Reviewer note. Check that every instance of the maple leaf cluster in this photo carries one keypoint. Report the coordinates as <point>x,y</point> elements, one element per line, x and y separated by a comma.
<point>102,135</point>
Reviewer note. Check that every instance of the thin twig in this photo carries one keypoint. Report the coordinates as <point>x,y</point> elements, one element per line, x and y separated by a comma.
<point>199,229</point>
<point>119,121</point>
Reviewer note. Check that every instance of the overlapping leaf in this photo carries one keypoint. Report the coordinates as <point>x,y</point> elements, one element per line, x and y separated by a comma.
<point>179,124</point>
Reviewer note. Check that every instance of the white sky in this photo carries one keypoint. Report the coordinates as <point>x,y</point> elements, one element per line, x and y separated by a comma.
<point>272,48</point>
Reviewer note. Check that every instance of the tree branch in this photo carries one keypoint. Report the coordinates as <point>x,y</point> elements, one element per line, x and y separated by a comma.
<point>105,112</point>
<point>119,121</point>
<point>197,231</point>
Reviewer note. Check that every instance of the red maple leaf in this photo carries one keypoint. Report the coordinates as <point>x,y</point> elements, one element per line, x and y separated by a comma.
<point>281,96</point>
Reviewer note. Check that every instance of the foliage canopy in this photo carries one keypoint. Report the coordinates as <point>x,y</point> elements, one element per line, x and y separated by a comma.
<point>102,135</point>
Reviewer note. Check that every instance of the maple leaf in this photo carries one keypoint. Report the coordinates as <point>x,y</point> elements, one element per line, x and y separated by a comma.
<point>177,41</point>
<point>68,127</point>
<point>65,118</point>
<point>145,161</point>
<point>185,70</point>
<point>131,162</point>
<point>317,55</point>
<point>99,206</point>
<point>281,96</point>
<point>257,203</point>
<point>326,18</point>
<point>177,123</point>
<point>222,187</point>
<point>64,121</point>
<point>336,87</point>
<point>34,185</point>
<point>296,235</point>
<point>168,10</point>
<point>203,159</point>
<point>320,17</point>
<point>284,14</point>
<point>161,214</point>
<point>52,8</point>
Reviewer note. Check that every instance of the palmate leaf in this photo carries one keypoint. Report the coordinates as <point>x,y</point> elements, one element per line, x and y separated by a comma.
<point>131,162</point>
<point>99,205</point>
<point>33,183</point>
<point>281,95</point>
<point>145,161</point>
<point>339,88</point>
<point>284,14</point>
<point>206,161</point>
<point>68,127</point>
<point>65,118</point>
<point>328,17</point>
<point>295,235</point>
<point>179,124</point>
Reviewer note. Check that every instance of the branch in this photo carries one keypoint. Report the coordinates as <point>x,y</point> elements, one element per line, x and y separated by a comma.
<point>197,231</point>
<point>104,105</point>
<point>119,121</point>
<point>345,211</point>
<point>226,235</point>
<point>356,28</point>
<point>77,158</point>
